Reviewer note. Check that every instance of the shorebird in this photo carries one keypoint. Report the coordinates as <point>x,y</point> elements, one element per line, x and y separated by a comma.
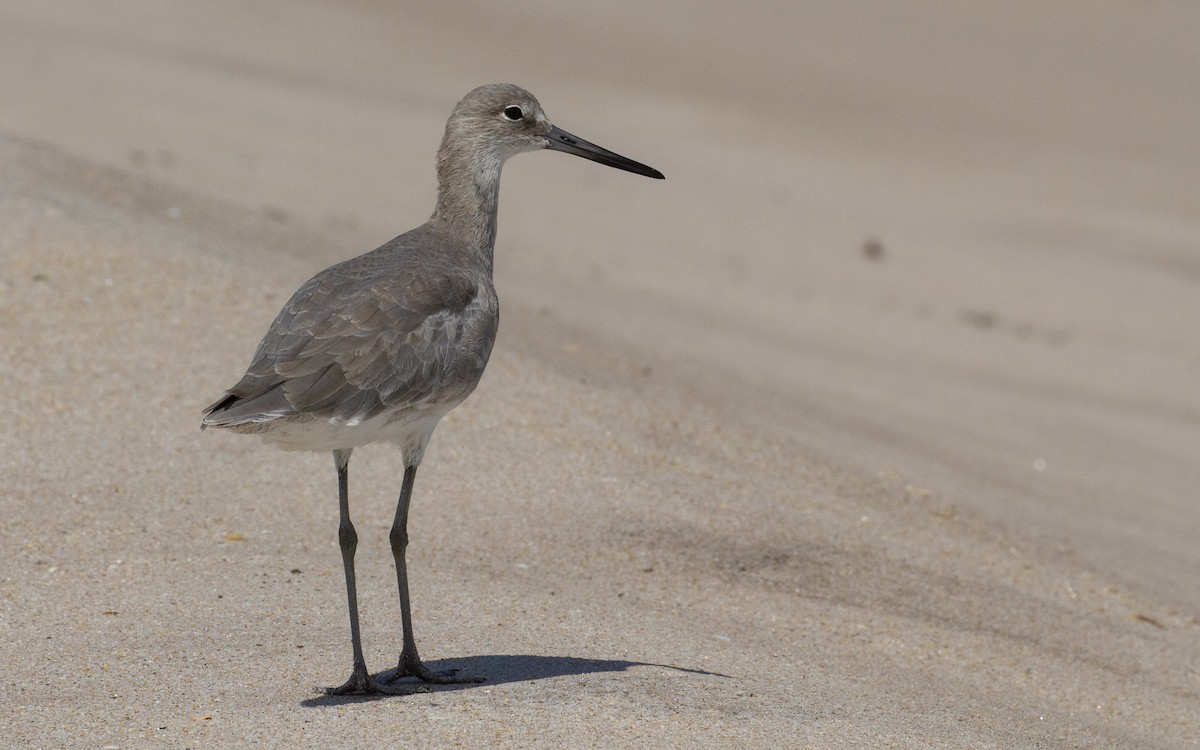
<point>380,347</point>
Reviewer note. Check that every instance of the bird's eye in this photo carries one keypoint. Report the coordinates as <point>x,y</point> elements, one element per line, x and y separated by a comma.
<point>513,113</point>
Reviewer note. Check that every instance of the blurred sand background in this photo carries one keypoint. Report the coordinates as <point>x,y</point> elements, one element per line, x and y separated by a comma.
<point>876,424</point>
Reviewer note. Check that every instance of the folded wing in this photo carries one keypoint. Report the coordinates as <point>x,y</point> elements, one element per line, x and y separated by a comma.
<point>347,351</point>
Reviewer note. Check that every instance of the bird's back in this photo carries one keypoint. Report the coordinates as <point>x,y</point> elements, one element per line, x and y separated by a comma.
<point>369,349</point>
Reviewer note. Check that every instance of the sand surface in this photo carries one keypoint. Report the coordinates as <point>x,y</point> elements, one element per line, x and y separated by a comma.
<point>876,424</point>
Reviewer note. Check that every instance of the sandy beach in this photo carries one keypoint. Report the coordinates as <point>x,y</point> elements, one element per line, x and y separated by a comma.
<point>874,425</point>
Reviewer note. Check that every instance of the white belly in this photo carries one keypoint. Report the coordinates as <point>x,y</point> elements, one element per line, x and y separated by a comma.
<point>410,432</point>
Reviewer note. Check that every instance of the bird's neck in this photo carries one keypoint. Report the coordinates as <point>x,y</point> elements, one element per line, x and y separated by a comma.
<point>468,194</point>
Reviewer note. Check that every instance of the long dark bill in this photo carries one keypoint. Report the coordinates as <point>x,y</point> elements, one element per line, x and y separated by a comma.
<point>560,140</point>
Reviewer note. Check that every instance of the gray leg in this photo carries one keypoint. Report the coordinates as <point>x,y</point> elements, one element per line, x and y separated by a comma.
<point>360,681</point>
<point>410,664</point>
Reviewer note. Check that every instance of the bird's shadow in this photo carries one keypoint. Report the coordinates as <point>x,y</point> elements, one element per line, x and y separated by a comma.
<point>499,669</point>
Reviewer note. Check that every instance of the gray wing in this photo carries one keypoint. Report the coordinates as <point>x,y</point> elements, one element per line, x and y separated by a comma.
<point>348,346</point>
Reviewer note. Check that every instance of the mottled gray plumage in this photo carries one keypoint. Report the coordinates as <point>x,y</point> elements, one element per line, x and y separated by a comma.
<point>382,336</point>
<point>382,346</point>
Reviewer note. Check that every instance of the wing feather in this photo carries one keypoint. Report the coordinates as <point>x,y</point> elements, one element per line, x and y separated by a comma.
<point>353,342</point>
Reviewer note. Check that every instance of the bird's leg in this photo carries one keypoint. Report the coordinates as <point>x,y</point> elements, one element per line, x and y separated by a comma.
<point>410,664</point>
<point>360,681</point>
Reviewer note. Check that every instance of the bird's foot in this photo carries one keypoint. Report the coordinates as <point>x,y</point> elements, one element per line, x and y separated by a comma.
<point>361,683</point>
<point>412,666</point>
